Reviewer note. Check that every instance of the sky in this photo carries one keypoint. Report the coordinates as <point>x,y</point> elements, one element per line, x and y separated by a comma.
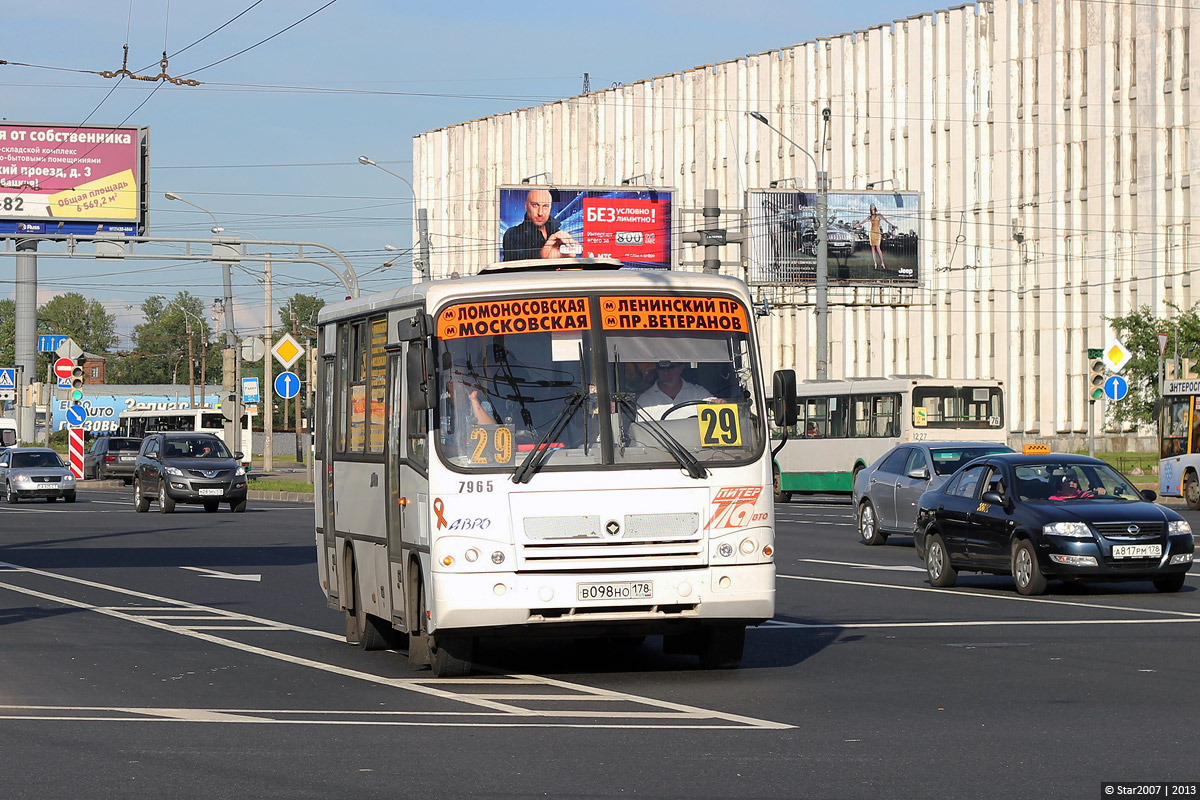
<point>268,143</point>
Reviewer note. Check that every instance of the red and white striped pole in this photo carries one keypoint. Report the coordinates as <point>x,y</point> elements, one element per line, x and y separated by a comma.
<point>75,447</point>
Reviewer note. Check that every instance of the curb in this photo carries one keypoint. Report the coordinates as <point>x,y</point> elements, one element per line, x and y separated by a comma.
<point>253,494</point>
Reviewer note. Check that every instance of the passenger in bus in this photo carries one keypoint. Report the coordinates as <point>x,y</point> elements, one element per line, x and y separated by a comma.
<point>670,389</point>
<point>812,431</point>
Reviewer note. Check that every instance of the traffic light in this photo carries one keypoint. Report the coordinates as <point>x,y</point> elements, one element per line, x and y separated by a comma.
<point>76,383</point>
<point>1097,378</point>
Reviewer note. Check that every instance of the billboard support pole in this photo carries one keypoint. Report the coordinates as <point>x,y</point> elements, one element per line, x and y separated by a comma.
<point>822,282</point>
<point>25,310</point>
<point>423,243</point>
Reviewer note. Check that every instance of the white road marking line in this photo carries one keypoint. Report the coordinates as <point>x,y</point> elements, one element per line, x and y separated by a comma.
<point>426,687</point>
<point>1017,598</point>
<point>228,576</point>
<point>991,623</point>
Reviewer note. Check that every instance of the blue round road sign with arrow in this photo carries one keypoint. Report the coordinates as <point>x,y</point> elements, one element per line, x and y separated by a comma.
<point>76,415</point>
<point>287,385</point>
<point>1116,387</point>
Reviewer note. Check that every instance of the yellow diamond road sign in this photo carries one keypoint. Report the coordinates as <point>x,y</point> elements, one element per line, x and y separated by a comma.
<point>287,351</point>
<point>1116,356</point>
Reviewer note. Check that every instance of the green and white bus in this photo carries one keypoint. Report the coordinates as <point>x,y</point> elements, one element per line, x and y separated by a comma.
<point>845,425</point>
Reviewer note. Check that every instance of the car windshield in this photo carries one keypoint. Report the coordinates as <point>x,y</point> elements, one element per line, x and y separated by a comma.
<point>196,447</point>
<point>531,384</point>
<point>1072,483</point>
<point>947,460</point>
<point>46,459</point>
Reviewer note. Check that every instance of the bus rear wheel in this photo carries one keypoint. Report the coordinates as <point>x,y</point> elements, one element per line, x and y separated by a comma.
<point>369,631</point>
<point>1191,491</point>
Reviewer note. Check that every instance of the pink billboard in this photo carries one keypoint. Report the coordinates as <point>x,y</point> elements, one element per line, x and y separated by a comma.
<point>71,174</point>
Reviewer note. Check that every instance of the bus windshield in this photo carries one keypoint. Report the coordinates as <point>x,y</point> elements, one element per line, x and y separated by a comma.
<point>556,386</point>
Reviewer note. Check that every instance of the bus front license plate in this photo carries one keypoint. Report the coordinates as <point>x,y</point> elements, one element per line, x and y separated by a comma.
<point>624,590</point>
<point>1137,551</point>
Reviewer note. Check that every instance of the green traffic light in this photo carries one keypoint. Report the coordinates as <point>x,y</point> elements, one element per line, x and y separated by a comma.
<point>76,394</point>
<point>1097,394</point>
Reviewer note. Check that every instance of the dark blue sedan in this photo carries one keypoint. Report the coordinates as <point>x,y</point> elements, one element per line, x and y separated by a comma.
<point>1038,517</point>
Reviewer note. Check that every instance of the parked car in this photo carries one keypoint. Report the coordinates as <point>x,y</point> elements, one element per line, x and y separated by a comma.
<point>1038,517</point>
<point>186,467</point>
<point>35,472</point>
<point>111,457</point>
<point>886,493</point>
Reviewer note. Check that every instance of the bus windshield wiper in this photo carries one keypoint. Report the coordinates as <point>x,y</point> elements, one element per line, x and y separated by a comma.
<point>541,451</point>
<point>663,437</point>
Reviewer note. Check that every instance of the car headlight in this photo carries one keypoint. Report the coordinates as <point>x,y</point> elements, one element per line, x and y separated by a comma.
<point>68,479</point>
<point>239,471</point>
<point>1071,530</point>
<point>20,477</point>
<point>176,471</point>
<point>1179,526</point>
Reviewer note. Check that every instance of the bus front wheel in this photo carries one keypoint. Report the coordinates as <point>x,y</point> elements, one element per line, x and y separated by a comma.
<point>777,486</point>
<point>449,656</point>
<point>721,646</point>
<point>1191,491</point>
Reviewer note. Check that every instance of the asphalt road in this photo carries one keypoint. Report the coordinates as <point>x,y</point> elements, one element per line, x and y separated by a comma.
<point>192,655</point>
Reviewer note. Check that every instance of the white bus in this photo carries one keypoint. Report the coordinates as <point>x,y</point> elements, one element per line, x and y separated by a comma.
<point>202,420</point>
<point>1179,442</point>
<point>486,469</point>
<point>843,426</point>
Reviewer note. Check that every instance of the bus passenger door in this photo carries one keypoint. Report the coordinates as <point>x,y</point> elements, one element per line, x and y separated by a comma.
<point>408,489</point>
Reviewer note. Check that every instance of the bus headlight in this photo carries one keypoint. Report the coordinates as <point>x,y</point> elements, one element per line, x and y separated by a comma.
<point>498,557</point>
<point>747,546</point>
<point>471,555</point>
<point>725,550</point>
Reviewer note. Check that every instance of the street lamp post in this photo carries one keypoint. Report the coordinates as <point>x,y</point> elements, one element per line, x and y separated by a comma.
<point>421,264</point>
<point>233,424</point>
<point>822,278</point>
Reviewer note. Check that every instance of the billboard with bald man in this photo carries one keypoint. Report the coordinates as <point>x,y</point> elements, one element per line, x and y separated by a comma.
<point>632,225</point>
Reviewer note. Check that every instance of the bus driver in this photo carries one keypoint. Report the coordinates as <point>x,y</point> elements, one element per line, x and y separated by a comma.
<point>670,389</point>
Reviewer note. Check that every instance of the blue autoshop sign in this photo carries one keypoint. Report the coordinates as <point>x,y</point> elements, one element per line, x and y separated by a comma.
<point>103,410</point>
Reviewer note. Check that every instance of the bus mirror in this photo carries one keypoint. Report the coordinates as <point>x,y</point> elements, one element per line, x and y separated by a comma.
<point>414,328</point>
<point>783,398</point>
<point>419,369</point>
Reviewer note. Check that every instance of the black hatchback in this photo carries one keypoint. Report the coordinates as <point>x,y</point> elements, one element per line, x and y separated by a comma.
<point>183,467</point>
<point>1037,517</point>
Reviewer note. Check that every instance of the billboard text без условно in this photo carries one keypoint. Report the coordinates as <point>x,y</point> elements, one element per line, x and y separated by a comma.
<point>81,179</point>
<point>782,241</point>
<point>630,225</point>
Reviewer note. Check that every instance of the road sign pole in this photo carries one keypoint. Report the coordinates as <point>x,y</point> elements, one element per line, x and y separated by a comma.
<point>1092,428</point>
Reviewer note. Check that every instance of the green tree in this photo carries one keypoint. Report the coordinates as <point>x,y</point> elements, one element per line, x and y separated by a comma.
<point>160,344</point>
<point>1138,331</point>
<point>299,315</point>
<point>85,321</point>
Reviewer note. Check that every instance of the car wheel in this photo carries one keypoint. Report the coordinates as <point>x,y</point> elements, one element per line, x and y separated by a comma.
<point>10,494</point>
<point>1191,491</point>
<point>868,525</point>
<point>141,503</point>
<point>937,563</point>
<point>1025,569</point>
<point>166,504</point>
<point>211,506</point>
<point>1170,583</point>
<point>69,497</point>
<point>237,506</point>
<point>777,486</point>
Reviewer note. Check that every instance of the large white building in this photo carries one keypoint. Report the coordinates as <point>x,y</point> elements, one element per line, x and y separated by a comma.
<point>1050,141</point>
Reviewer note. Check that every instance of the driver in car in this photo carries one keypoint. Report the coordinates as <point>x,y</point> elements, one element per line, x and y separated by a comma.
<point>670,389</point>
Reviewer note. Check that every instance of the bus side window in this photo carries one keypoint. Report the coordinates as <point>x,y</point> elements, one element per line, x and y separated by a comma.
<point>1194,439</point>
